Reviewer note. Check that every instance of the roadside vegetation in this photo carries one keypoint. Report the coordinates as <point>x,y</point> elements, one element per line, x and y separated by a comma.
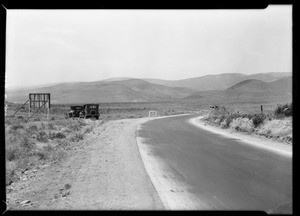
<point>33,144</point>
<point>276,124</point>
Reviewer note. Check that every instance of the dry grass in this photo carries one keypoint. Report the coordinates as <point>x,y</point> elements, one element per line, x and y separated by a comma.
<point>242,124</point>
<point>34,143</point>
<point>270,125</point>
<point>277,128</point>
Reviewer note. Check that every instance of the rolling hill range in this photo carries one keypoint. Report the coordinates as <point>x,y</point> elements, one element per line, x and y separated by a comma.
<point>281,86</point>
<point>254,90</point>
<point>218,82</point>
<point>220,88</point>
<point>132,90</point>
<point>205,83</point>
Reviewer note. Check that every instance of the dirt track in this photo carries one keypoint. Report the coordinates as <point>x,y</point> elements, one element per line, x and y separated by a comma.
<point>104,172</point>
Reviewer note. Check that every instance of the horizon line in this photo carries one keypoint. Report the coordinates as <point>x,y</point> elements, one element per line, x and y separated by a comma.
<point>66,82</point>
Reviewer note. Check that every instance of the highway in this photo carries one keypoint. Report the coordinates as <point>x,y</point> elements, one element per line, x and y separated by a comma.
<point>222,172</point>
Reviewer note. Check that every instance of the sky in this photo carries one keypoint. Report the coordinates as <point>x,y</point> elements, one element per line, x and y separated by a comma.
<point>50,46</point>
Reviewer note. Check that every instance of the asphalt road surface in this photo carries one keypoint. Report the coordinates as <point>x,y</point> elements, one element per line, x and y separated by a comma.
<point>230,175</point>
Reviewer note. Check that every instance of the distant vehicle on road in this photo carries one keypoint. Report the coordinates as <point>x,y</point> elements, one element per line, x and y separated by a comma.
<point>90,111</point>
<point>75,111</point>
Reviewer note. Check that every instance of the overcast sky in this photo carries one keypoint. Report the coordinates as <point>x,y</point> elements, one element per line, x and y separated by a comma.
<point>47,46</point>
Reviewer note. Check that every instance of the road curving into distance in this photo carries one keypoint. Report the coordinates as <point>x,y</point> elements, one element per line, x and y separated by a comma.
<point>192,168</point>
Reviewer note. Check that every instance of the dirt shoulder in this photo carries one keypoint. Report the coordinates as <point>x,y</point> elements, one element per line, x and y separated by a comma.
<point>251,139</point>
<point>103,172</point>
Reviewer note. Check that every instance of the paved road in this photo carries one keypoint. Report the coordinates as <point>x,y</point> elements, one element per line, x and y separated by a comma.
<point>229,174</point>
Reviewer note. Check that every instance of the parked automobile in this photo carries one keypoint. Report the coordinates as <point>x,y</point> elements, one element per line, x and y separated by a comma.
<point>75,111</point>
<point>90,111</point>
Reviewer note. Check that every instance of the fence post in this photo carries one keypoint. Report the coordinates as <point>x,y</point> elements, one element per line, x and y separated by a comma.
<point>48,112</point>
<point>261,109</point>
<point>29,109</point>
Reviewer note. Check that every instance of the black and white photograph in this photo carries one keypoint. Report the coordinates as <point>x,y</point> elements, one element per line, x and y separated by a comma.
<point>147,109</point>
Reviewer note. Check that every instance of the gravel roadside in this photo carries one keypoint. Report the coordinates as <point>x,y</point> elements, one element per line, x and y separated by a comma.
<point>104,172</point>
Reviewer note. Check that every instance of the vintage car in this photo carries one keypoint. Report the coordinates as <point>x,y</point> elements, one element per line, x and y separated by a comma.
<point>75,111</point>
<point>90,111</point>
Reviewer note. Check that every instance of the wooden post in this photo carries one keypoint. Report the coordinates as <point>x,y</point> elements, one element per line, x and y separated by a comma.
<point>48,111</point>
<point>29,109</point>
<point>261,109</point>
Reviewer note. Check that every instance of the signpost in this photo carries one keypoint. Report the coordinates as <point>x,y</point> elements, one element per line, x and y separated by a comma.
<point>39,100</point>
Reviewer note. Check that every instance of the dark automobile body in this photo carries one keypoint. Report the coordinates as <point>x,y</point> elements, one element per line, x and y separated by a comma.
<point>75,111</point>
<point>90,111</point>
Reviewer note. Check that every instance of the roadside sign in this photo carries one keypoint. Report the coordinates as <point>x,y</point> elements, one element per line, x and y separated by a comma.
<point>39,100</point>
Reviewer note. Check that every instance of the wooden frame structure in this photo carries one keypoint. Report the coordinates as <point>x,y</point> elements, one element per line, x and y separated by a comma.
<point>39,100</point>
<point>36,100</point>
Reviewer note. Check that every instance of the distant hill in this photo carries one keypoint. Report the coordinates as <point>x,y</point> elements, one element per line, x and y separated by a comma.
<point>222,87</point>
<point>117,79</point>
<point>269,77</point>
<point>280,86</point>
<point>133,90</point>
<point>204,83</point>
<point>256,90</point>
<point>36,86</point>
<point>217,82</point>
<point>250,85</point>
<point>202,94</point>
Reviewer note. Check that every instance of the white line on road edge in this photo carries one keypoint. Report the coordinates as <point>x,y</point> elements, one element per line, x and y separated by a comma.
<point>196,122</point>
